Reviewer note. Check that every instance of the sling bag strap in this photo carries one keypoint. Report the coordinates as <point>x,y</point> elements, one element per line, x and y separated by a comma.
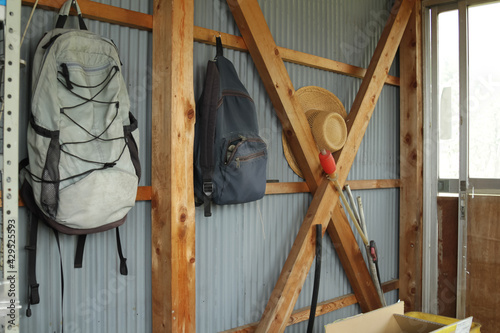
<point>208,115</point>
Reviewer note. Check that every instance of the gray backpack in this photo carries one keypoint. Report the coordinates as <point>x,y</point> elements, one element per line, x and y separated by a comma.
<point>83,168</point>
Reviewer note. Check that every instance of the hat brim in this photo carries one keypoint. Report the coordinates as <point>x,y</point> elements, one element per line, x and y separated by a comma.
<point>317,98</point>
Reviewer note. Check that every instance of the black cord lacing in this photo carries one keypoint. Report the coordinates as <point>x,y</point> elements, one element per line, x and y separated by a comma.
<point>69,85</point>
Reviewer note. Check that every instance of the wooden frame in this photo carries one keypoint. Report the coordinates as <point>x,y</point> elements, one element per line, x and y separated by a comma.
<point>267,59</point>
<point>180,205</point>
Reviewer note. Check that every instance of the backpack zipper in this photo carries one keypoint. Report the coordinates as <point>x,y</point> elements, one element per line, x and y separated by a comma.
<point>88,69</point>
<point>248,157</point>
<point>232,149</point>
<point>235,93</point>
<point>61,36</point>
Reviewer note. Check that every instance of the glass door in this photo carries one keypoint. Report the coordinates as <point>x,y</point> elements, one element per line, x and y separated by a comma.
<point>481,271</point>
<point>463,146</point>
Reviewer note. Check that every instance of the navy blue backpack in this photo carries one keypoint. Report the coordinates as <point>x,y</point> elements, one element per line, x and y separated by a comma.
<point>230,157</point>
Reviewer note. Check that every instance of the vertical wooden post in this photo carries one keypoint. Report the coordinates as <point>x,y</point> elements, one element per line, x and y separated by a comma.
<point>173,213</point>
<point>411,195</point>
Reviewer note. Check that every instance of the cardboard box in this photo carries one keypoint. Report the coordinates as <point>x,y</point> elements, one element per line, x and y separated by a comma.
<point>392,320</point>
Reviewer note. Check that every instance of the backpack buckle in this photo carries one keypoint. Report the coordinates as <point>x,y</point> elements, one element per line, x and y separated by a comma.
<point>208,188</point>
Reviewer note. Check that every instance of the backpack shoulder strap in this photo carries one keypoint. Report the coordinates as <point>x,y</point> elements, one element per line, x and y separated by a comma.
<point>33,295</point>
<point>208,113</point>
<point>80,246</point>
<point>123,260</point>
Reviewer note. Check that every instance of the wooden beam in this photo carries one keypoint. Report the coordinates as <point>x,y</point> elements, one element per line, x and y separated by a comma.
<point>301,187</point>
<point>299,260</point>
<point>111,14</point>
<point>279,87</point>
<point>172,204</point>
<point>265,55</point>
<point>357,122</point>
<point>322,308</point>
<point>329,65</point>
<point>101,12</point>
<point>411,194</point>
<point>144,192</point>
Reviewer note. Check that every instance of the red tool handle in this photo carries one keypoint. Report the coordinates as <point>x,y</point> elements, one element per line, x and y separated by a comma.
<point>327,162</point>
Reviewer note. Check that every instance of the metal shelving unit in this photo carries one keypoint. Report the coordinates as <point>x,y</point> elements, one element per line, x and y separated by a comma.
<point>10,161</point>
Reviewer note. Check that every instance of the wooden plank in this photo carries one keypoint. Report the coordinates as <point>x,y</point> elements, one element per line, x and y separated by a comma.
<point>253,27</point>
<point>144,192</point>
<point>357,122</point>
<point>101,12</point>
<point>483,263</point>
<point>373,184</point>
<point>270,66</point>
<point>207,36</point>
<point>411,194</point>
<point>172,204</point>
<point>297,265</point>
<point>333,66</point>
<point>301,187</point>
<point>272,71</point>
<point>111,14</point>
<point>322,308</point>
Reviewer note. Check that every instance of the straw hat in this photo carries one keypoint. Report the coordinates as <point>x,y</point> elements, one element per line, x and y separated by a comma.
<point>326,117</point>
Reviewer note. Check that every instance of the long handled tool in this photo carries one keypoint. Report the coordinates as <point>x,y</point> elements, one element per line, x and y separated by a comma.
<point>371,254</point>
<point>328,164</point>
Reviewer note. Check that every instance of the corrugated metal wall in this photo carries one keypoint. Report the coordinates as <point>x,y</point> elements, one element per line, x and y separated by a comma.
<point>242,248</point>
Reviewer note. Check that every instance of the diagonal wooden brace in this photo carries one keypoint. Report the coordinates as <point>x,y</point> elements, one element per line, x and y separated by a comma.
<point>265,54</point>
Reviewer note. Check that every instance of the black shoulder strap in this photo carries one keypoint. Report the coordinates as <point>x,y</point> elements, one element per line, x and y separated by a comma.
<point>218,44</point>
<point>208,114</point>
<point>80,246</point>
<point>63,17</point>
<point>56,235</point>
<point>33,295</point>
<point>123,260</point>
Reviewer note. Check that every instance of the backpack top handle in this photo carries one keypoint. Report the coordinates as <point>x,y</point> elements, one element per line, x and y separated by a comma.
<point>64,13</point>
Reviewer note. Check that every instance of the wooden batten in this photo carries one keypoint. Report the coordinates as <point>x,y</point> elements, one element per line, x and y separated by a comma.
<point>172,204</point>
<point>411,193</point>
<point>322,308</point>
<point>101,12</point>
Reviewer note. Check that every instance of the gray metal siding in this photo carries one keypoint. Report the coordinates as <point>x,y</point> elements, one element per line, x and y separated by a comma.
<point>242,248</point>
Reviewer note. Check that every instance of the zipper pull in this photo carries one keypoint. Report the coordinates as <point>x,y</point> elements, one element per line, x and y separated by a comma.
<point>237,162</point>
<point>229,151</point>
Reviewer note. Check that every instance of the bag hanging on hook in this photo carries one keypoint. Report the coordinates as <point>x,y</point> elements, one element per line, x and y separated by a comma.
<point>230,158</point>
